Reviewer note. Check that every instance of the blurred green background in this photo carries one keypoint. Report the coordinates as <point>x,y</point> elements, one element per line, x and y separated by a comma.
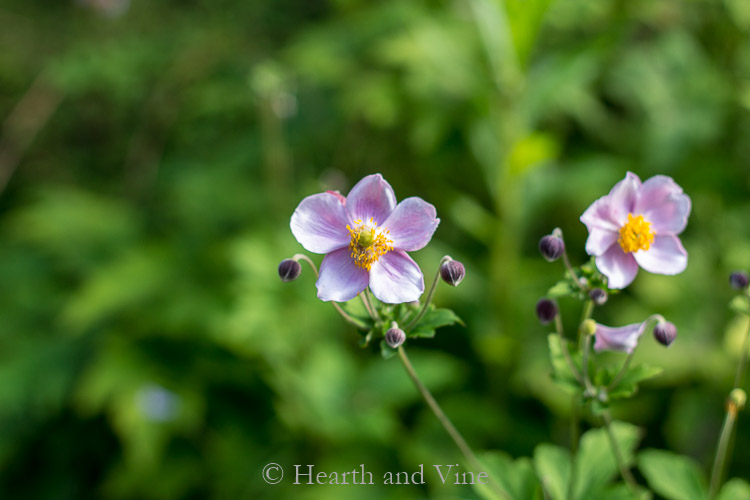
<point>152,153</point>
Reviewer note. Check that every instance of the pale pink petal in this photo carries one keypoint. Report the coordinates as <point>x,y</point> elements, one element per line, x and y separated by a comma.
<point>666,255</point>
<point>623,197</point>
<point>412,224</point>
<point>619,268</point>
<point>371,197</point>
<point>396,278</point>
<point>624,338</point>
<point>319,223</point>
<point>598,215</point>
<point>340,279</point>
<point>663,204</point>
<point>600,240</point>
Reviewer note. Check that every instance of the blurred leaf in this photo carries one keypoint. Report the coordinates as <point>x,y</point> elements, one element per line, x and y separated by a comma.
<point>675,477</point>
<point>735,489</point>
<point>560,370</point>
<point>552,464</point>
<point>628,384</point>
<point>516,477</point>
<point>433,319</point>
<point>740,304</point>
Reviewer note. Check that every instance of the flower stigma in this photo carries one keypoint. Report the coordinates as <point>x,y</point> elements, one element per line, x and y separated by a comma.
<point>368,242</point>
<point>635,234</point>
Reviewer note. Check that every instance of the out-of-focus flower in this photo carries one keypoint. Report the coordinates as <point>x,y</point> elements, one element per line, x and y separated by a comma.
<point>452,272</point>
<point>551,247</point>
<point>624,338</point>
<point>546,310</point>
<point>365,237</point>
<point>738,280</point>
<point>157,403</point>
<point>637,224</point>
<point>598,296</point>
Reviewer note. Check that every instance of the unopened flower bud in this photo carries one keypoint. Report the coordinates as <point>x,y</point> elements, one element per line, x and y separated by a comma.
<point>598,296</point>
<point>452,272</point>
<point>546,310</point>
<point>665,332</point>
<point>588,327</point>
<point>738,280</point>
<point>738,398</point>
<point>289,270</point>
<point>395,336</point>
<point>551,247</point>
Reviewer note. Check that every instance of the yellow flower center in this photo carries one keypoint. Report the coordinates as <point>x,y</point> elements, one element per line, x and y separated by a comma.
<point>368,243</point>
<point>635,234</point>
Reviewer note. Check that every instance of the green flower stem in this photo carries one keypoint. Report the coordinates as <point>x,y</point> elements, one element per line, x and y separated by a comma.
<point>622,371</point>
<point>371,309</point>
<point>349,319</point>
<point>588,310</point>
<point>722,450</point>
<point>566,261</point>
<point>624,470</point>
<point>564,348</point>
<point>446,423</point>
<point>430,294</point>
<point>585,366</point>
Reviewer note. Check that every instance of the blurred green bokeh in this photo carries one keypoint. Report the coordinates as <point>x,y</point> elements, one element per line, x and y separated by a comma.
<point>152,154</point>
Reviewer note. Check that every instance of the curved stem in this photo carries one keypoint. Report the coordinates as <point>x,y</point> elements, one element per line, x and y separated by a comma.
<point>566,262</point>
<point>624,470</point>
<point>585,366</point>
<point>743,358</point>
<point>564,348</point>
<point>622,371</point>
<point>721,451</point>
<point>445,421</point>
<point>370,307</point>
<point>430,294</point>
<point>349,319</point>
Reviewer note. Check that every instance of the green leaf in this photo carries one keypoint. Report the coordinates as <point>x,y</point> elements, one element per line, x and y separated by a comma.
<point>552,464</point>
<point>595,463</point>
<point>735,489</point>
<point>386,351</point>
<point>516,477</point>
<point>433,319</point>
<point>673,476</point>
<point>562,288</point>
<point>740,304</point>
<point>560,370</point>
<point>628,384</point>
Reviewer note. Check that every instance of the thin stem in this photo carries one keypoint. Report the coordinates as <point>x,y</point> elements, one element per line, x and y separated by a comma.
<point>371,307</point>
<point>558,232</point>
<point>349,319</point>
<point>564,348</point>
<point>622,372</point>
<point>585,366</point>
<point>430,294</point>
<point>721,451</point>
<point>445,421</point>
<point>574,437</point>
<point>624,470</point>
<point>588,310</point>
<point>743,358</point>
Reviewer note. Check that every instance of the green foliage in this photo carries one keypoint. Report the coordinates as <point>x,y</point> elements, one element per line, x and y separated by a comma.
<point>673,476</point>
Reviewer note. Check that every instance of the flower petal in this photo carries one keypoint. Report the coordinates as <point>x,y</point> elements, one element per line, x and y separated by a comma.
<point>598,215</point>
<point>600,240</point>
<point>662,203</point>
<point>412,224</point>
<point>340,279</point>
<point>619,268</point>
<point>624,338</point>
<point>623,197</point>
<point>396,278</point>
<point>319,223</point>
<point>665,256</point>
<point>371,197</point>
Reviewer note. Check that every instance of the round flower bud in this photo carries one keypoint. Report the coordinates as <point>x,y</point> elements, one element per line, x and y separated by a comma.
<point>551,247</point>
<point>452,272</point>
<point>738,398</point>
<point>665,332</point>
<point>738,280</point>
<point>546,310</point>
<point>598,296</point>
<point>289,270</point>
<point>394,337</point>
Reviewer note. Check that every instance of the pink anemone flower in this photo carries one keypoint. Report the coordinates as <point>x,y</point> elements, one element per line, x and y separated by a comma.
<point>365,237</point>
<point>637,224</point>
<point>624,338</point>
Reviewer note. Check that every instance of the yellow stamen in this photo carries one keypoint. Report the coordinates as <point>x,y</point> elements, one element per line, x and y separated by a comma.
<point>636,234</point>
<point>368,243</point>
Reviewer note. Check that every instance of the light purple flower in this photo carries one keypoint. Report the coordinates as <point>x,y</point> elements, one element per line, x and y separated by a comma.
<point>365,237</point>
<point>637,224</point>
<point>624,338</point>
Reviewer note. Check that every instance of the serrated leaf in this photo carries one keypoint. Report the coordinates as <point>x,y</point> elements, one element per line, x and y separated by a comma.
<point>628,384</point>
<point>560,370</point>
<point>562,288</point>
<point>595,463</point>
<point>552,464</point>
<point>673,476</point>
<point>433,319</point>
<point>516,477</point>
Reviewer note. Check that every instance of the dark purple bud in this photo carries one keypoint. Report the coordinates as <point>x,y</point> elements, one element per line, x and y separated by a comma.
<point>551,247</point>
<point>289,270</point>
<point>738,280</point>
<point>665,332</point>
<point>598,296</point>
<point>546,310</point>
<point>394,337</point>
<point>452,272</point>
